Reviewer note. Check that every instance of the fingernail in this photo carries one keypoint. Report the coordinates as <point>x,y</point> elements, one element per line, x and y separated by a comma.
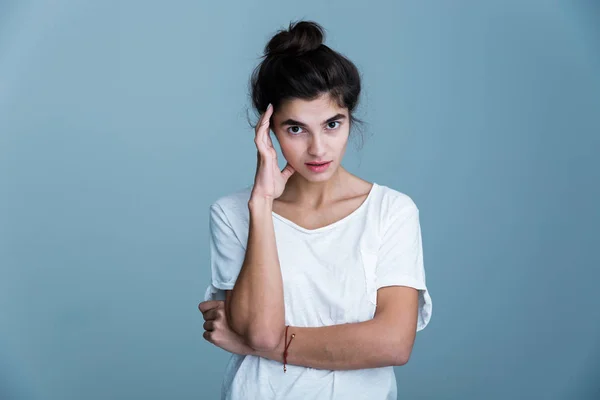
<point>269,106</point>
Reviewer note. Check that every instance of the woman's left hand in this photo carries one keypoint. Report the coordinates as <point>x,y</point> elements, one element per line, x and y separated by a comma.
<point>217,329</point>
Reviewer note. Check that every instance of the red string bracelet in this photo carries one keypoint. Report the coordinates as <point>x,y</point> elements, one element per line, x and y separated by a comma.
<point>286,346</point>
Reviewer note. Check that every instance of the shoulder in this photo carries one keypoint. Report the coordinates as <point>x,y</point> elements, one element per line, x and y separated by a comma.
<point>233,206</point>
<point>235,199</point>
<point>394,203</point>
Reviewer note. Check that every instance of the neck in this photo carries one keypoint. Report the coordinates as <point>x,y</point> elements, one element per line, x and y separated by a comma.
<point>310,194</point>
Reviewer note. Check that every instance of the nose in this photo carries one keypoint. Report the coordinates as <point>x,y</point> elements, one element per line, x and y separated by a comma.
<point>316,147</point>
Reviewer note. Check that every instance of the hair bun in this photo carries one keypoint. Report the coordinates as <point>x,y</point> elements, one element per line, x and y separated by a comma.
<point>301,37</point>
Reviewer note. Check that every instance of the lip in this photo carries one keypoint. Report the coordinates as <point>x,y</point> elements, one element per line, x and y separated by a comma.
<point>319,168</point>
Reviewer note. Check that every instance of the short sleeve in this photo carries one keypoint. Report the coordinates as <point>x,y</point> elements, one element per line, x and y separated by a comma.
<point>226,254</point>
<point>400,259</point>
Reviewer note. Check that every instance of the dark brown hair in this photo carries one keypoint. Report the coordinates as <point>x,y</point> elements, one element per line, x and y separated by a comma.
<point>297,65</point>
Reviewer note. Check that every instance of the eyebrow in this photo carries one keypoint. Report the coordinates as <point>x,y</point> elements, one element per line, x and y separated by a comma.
<point>290,121</point>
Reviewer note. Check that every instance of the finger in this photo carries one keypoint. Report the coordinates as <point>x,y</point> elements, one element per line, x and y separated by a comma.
<point>260,141</point>
<point>211,314</point>
<point>262,133</point>
<point>287,171</point>
<point>265,128</point>
<point>269,141</point>
<point>207,335</point>
<point>262,150</point>
<point>209,326</point>
<point>207,305</point>
<point>264,119</point>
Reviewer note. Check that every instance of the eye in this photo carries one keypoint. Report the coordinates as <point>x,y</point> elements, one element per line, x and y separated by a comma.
<point>335,122</point>
<point>292,127</point>
<point>296,132</point>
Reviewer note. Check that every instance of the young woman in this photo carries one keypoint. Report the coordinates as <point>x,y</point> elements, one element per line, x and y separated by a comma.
<point>318,285</point>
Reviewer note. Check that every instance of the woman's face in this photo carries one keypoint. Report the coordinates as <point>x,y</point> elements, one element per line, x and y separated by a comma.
<point>312,131</point>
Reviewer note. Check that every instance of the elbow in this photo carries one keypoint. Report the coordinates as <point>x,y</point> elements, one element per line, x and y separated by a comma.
<point>262,342</point>
<point>258,339</point>
<point>265,339</point>
<point>401,356</point>
<point>401,348</point>
<point>400,351</point>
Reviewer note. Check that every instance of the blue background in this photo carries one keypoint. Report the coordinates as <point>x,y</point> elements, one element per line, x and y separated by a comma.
<point>121,121</point>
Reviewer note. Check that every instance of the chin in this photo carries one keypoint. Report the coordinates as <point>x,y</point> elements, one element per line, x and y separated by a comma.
<point>320,178</point>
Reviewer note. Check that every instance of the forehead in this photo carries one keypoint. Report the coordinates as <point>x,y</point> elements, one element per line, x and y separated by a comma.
<point>316,110</point>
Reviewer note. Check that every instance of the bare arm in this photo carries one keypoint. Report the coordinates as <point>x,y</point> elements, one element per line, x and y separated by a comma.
<point>385,340</point>
<point>255,307</point>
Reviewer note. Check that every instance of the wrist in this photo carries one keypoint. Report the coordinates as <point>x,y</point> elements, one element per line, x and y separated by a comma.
<point>260,203</point>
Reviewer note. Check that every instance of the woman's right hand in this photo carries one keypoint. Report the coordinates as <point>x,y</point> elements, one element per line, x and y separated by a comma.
<point>269,181</point>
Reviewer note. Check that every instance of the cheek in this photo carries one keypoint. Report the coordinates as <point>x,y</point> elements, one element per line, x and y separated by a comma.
<point>341,142</point>
<point>290,148</point>
<point>290,153</point>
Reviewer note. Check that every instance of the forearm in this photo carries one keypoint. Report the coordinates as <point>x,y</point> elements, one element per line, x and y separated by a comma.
<point>340,347</point>
<point>256,308</point>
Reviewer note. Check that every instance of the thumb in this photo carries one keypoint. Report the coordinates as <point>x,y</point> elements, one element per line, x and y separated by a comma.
<point>287,171</point>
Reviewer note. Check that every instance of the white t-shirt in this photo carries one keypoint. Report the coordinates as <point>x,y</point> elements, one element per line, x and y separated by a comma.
<point>330,276</point>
